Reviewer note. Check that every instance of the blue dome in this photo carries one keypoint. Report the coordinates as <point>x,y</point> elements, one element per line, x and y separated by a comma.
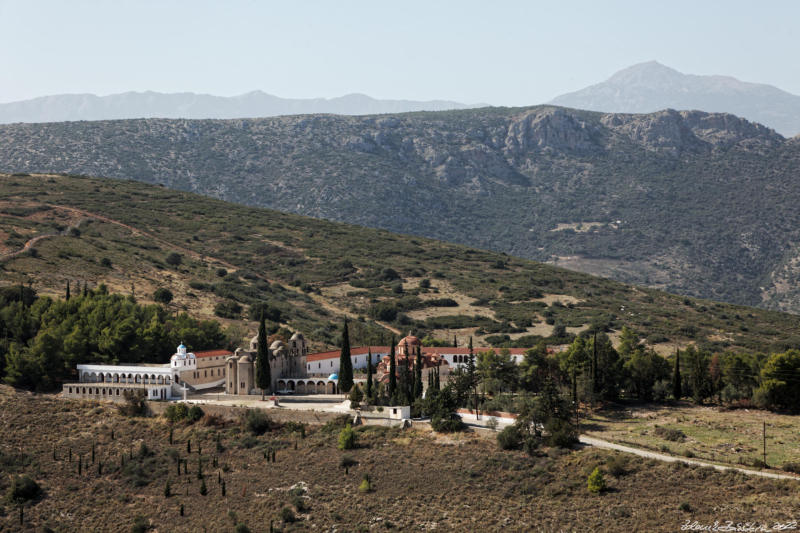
<point>181,346</point>
<point>333,376</point>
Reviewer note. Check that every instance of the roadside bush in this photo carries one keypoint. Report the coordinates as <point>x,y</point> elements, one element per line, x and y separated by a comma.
<point>792,467</point>
<point>673,435</point>
<point>509,438</point>
<point>560,433</point>
<point>347,438</point>
<point>446,422</point>
<point>257,422</point>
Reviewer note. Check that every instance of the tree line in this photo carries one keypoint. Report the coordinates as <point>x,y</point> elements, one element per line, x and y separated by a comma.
<point>42,339</point>
<point>592,370</point>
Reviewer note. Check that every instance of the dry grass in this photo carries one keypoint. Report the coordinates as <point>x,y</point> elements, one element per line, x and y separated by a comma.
<point>422,481</point>
<point>730,437</point>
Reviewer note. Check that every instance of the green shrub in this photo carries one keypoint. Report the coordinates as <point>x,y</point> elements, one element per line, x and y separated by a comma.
<point>257,422</point>
<point>22,489</point>
<point>135,403</point>
<point>299,503</point>
<point>792,467</point>
<point>366,484</point>
<point>175,412</point>
<point>617,465</point>
<point>510,438</point>
<point>446,422</point>
<point>228,309</point>
<point>673,435</point>
<point>162,295</point>
<point>596,482</point>
<point>560,433</point>
<point>347,438</point>
<point>141,525</point>
<point>194,414</point>
<point>287,515</point>
<point>347,461</point>
<point>174,259</point>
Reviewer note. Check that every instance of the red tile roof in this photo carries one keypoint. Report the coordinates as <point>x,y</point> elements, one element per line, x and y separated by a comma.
<point>212,353</point>
<point>334,354</point>
<point>426,350</point>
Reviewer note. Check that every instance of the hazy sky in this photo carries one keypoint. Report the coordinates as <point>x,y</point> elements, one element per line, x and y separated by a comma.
<point>502,53</point>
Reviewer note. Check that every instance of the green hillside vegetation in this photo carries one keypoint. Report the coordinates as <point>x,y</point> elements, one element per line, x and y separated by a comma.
<point>43,338</point>
<point>217,258</point>
<point>690,202</point>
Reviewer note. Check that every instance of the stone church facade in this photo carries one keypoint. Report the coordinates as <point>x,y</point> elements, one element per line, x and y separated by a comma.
<point>286,360</point>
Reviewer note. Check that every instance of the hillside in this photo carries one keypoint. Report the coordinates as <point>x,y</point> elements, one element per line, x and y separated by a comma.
<point>314,272</point>
<point>651,86</point>
<point>694,203</point>
<point>62,107</point>
<point>126,463</point>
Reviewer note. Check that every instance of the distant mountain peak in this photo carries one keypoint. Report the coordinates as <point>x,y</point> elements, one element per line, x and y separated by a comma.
<point>652,86</point>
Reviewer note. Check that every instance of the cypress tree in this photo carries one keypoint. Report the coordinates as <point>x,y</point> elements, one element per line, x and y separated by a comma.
<point>263,374</point>
<point>345,363</point>
<point>436,379</point>
<point>455,342</point>
<point>408,390</point>
<point>392,371</point>
<point>677,392</point>
<point>369,374</point>
<point>418,374</point>
<point>66,296</point>
<point>594,367</point>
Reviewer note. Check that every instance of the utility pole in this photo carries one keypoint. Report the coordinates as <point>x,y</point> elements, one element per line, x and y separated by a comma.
<point>764,440</point>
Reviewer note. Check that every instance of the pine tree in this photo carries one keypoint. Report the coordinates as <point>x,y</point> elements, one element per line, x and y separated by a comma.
<point>418,374</point>
<point>263,374</point>
<point>66,296</point>
<point>345,363</point>
<point>392,371</point>
<point>369,389</point>
<point>677,392</point>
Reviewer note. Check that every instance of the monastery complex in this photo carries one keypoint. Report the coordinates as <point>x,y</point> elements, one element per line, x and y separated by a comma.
<point>293,369</point>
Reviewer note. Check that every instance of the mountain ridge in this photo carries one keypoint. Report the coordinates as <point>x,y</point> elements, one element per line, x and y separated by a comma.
<point>692,202</point>
<point>152,104</point>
